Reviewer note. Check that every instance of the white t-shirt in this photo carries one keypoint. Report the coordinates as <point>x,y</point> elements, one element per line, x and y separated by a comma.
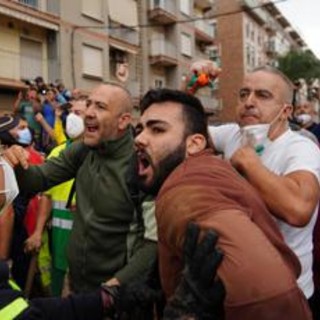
<point>288,153</point>
<point>10,185</point>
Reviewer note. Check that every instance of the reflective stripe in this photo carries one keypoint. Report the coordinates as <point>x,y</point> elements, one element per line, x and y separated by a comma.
<point>13,309</point>
<point>62,223</point>
<point>56,204</point>
<point>14,286</point>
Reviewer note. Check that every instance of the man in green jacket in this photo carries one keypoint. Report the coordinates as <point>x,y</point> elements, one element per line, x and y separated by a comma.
<point>112,239</point>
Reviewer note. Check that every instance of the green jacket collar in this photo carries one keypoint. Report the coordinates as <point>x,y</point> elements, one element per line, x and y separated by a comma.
<point>118,147</point>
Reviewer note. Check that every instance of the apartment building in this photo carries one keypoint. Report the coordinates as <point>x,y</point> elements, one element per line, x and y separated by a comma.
<point>83,42</point>
<point>27,46</point>
<point>250,33</point>
<point>179,32</point>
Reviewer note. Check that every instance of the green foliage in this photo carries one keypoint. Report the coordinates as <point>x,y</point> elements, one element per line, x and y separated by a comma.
<point>296,64</point>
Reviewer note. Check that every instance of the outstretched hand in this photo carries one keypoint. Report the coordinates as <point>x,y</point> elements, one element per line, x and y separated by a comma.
<point>200,294</point>
<point>15,156</point>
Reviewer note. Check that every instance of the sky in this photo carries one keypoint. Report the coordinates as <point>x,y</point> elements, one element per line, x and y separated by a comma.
<point>304,16</point>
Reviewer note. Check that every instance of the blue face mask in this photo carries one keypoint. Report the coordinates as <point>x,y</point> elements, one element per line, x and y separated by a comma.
<point>24,136</point>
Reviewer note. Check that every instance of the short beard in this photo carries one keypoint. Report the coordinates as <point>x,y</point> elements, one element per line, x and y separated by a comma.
<point>165,167</point>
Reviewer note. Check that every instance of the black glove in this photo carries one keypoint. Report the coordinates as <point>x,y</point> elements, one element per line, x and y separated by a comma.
<point>136,300</point>
<point>199,294</point>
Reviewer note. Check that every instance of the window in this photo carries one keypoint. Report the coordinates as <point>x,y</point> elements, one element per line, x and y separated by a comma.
<point>247,30</point>
<point>31,59</point>
<point>185,6</point>
<point>92,8</point>
<point>92,61</point>
<point>248,55</point>
<point>214,28</point>
<point>186,46</point>
<point>158,83</point>
<point>31,3</point>
<point>252,34</point>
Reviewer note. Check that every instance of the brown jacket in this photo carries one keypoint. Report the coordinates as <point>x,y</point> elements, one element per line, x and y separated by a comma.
<point>259,271</point>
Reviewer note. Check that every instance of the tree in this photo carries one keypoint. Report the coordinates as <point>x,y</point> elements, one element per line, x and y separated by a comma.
<point>300,64</point>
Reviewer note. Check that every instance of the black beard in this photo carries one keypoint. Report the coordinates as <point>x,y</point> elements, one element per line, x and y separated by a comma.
<point>165,167</point>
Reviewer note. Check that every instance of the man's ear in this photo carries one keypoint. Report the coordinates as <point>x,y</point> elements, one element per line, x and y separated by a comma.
<point>124,120</point>
<point>195,143</point>
<point>288,109</point>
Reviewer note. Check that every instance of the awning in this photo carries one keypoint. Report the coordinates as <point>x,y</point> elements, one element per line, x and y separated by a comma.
<point>127,17</point>
<point>12,84</point>
<point>28,18</point>
<point>115,44</point>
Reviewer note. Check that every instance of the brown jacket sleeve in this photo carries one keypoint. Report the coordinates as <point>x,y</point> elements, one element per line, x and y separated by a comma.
<point>256,277</point>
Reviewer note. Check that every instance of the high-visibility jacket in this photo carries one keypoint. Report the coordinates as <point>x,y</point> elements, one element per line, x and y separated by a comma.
<point>62,218</point>
<point>15,307</point>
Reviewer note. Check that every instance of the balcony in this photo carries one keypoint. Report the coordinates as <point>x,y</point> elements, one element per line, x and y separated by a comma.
<point>30,3</point>
<point>163,53</point>
<point>270,27</point>
<point>204,4</point>
<point>124,33</point>
<point>204,32</point>
<point>254,9</point>
<point>271,49</point>
<point>163,11</point>
<point>40,5</point>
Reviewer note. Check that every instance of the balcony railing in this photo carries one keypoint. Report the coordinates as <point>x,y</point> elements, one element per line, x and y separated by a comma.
<point>124,33</point>
<point>163,11</point>
<point>163,52</point>
<point>162,47</point>
<point>40,5</point>
<point>205,27</point>
<point>30,3</point>
<point>253,8</point>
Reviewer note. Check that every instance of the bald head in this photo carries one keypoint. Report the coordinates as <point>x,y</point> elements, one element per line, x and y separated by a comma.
<point>119,96</point>
<point>286,83</point>
<point>107,115</point>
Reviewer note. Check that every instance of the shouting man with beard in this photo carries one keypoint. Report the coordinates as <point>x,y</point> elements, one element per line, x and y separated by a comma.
<point>176,164</point>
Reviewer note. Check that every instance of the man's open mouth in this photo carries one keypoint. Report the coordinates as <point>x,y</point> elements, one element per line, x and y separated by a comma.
<point>144,163</point>
<point>91,128</point>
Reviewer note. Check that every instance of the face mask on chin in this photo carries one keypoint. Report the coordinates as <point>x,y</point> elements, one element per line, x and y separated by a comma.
<point>74,126</point>
<point>257,135</point>
<point>303,118</point>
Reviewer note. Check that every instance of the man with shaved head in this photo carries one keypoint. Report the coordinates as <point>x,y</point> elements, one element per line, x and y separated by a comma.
<point>109,240</point>
<point>282,165</point>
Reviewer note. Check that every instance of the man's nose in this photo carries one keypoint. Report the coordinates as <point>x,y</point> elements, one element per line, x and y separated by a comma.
<point>90,111</point>
<point>140,140</point>
<point>250,100</point>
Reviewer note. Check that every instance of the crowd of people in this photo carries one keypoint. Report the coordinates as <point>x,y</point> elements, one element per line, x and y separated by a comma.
<point>171,219</point>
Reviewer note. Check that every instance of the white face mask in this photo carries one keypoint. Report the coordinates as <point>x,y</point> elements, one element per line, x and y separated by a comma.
<point>24,136</point>
<point>256,135</point>
<point>74,126</point>
<point>11,189</point>
<point>303,118</point>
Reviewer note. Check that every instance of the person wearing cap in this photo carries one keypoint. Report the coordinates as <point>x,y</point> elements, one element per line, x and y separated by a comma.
<point>8,191</point>
<point>15,130</point>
